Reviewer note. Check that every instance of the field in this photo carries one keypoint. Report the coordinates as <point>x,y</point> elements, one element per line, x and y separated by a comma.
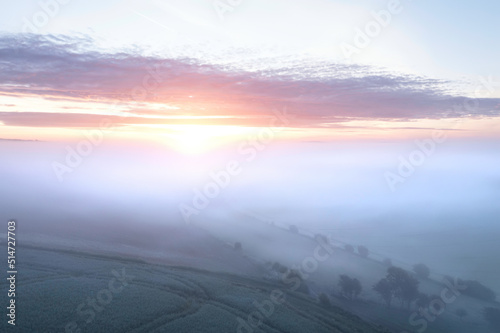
<point>71,291</point>
<point>188,279</point>
<point>263,240</point>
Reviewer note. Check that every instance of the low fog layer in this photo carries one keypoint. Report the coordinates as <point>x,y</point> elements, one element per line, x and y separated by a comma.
<point>445,213</point>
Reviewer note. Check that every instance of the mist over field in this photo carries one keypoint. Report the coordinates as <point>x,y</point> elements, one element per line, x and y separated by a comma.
<point>445,214</point>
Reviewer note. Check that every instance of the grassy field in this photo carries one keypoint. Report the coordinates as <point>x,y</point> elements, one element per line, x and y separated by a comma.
<point>191,280</point>
<point>265,241</point>
<point>70,291</point>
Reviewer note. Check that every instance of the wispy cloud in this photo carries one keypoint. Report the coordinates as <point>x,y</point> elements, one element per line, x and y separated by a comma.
<point>318,93</point>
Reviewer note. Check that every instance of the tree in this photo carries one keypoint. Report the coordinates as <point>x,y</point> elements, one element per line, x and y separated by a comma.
<point>492,316</point>
<point>422,271</point>
<point>350,288</point>
<point>324,300</point>
<point>345,285</point>
<point>356,287</point>
<point>403,285</point>
<point>461,313</point>
<point>363,251</point>
<point>349,248</point>
<point>237,246</point>
<point>293,228</point>
<point>279,268</point>
<point>383,287</point>
<point>423,300</point>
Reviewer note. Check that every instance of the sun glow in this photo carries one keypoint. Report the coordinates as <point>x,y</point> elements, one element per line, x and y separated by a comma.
<point>195,139</point>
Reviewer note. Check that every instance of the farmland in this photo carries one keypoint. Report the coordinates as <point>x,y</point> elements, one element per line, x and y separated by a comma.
<point>68,291</point>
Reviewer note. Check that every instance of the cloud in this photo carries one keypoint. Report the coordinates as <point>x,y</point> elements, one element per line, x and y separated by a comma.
<point>85,120</point>
<point>318,93</point>
<point>19,140</point>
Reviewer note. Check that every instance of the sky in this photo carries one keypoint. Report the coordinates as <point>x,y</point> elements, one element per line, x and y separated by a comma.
<point>197,72</point>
